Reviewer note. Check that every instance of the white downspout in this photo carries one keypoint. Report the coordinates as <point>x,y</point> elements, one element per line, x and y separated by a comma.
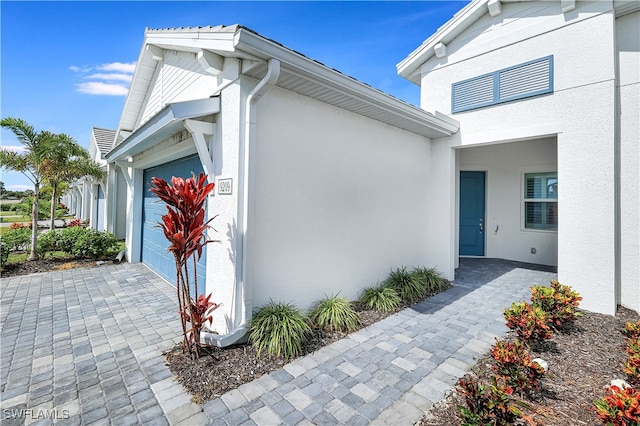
<point>272,76</point>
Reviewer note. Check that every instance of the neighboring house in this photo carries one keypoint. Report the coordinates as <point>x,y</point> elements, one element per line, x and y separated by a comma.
<point>545,167</point>
<point>324,184</point>
<point>86,198</point>
<point>320,179</point>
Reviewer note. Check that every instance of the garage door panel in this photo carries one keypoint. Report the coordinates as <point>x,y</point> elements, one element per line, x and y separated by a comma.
<point>154,244</point>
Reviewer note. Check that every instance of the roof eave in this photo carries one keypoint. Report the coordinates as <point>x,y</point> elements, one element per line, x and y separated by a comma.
<point>409,67</point>
<point>257,45</point>
<point>166,122</point>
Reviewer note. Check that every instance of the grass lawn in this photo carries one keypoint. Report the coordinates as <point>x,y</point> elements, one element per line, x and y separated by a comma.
<point>14,218</point>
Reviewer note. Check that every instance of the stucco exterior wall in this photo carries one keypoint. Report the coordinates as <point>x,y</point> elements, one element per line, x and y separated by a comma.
<point>628,56</point>
<point>580,112</point>
<point>338,201</point>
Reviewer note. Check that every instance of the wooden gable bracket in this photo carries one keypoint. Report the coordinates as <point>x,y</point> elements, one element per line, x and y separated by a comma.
<point>198,130</point>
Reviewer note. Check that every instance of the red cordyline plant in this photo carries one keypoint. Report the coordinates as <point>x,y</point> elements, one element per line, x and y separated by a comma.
<point>185,228</point>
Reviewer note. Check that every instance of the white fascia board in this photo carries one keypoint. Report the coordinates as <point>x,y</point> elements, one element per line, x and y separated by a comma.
<point>315,71</point>
<point>410,66</point>
<point>166,122</point>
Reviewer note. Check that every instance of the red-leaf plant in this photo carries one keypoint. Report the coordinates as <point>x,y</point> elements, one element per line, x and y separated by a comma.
<point>185,229</point>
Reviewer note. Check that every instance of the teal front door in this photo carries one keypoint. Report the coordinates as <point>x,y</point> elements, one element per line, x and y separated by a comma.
<point>472,192</point>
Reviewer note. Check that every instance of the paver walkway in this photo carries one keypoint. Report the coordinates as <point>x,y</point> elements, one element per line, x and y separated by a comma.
<point>85,346</point>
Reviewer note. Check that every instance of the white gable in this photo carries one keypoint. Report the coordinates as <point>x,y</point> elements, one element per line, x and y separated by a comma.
<point>179,77</point>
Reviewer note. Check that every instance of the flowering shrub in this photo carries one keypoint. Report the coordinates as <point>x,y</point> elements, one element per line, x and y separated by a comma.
<point>75,222</point>
<point>530,323</point>
<point>487,404</point>
<point>558,301</point>
<point>621,407</point>
<point>185,229</point>
<point>512,361</point>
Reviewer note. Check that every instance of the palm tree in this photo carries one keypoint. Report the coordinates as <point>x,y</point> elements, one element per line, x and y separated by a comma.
<point>30,163</point>
<point>69,162</point>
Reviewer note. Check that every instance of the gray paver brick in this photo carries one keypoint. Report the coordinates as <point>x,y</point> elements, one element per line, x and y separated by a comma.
<point>111,351</point>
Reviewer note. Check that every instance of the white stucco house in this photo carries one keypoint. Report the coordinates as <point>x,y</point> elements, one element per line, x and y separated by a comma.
<point>86,197</point>
<point>545,166</point>
<point>525,147</point>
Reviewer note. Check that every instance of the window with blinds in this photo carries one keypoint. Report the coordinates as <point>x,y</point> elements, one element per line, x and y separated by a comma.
<point>520,81</point>
<point>541,201</point>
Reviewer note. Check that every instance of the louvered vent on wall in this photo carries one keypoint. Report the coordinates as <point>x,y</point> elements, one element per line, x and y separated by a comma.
<point>521,81</point>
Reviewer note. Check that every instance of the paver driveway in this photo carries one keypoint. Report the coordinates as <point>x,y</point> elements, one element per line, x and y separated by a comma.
<point>86,346</point>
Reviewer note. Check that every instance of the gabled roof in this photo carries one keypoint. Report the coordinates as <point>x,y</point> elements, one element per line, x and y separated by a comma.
<point>298,73</point>
<point>104,139</point>
<point>409,67</point>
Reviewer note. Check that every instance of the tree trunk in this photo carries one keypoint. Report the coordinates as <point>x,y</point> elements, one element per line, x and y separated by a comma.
<point>54,203</point>
<point>34,223</point>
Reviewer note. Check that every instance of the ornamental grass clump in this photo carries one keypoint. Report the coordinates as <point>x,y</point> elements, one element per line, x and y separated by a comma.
<point>408,286</point>
<point>280,329</point>
<point>430,279</point>
<point>381,298</point>
<point>335,314</point>
<point>185,228</point>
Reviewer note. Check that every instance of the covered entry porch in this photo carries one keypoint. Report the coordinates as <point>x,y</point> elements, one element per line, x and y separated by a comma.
<point>507,201</point>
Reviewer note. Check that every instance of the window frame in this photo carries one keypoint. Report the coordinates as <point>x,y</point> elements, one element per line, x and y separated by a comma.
<point>524,200</point>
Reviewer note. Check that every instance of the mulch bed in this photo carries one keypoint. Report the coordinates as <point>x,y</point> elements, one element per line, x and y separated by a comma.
<point>582,362</point>
<point>208,378</point>
<point>44,265</point>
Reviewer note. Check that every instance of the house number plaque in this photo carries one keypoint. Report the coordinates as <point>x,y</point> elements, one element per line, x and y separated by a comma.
<point>225,186</point>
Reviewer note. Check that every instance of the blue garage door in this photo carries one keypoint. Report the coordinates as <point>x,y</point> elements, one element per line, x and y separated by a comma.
<point>154,243</point>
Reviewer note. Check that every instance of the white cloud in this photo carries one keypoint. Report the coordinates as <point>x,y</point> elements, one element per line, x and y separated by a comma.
<point>100,88</point>
<point>113,80</point>
<point>14,148</point>
<point>18,187</point>
<point>128,67</point>
<point>110,77</point>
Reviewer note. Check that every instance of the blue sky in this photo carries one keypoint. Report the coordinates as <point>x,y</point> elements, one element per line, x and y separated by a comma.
<point>66,66</point>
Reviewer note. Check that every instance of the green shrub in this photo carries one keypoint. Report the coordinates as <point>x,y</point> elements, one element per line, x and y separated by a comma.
<point>94,244</point>
<point>4,253</point>
<point>380,298</point>
<point>280,329</point>
<point>406,284</point>
<point>336,314</point>
<point>68,238</point>
<point>48,242</point>
<point>429,277</point>
<point>18,239</point>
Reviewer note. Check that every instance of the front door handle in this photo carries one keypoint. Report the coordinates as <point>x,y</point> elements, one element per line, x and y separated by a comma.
<point>481,225</point>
